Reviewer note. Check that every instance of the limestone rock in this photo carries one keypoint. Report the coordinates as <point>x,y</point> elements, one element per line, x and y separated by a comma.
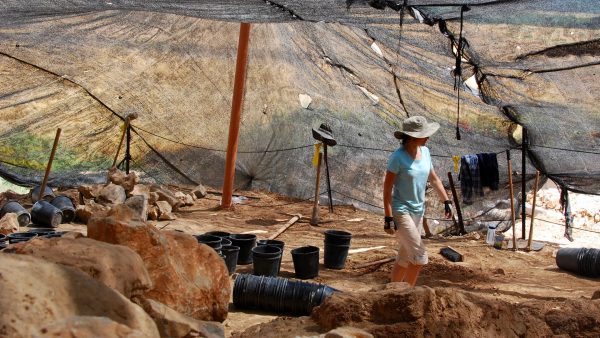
<point>87,327</point>
<point>112,194</point>
<point>127,181</point>
<point>348,332</point>
<point>164,211</point>
<point>34,292</point>
<point>9,223</point>
<point>84,212</point>
<point>152,198</point>
<point>140,189</point>
<point>199,191</point>
<point>153,213</point>
<point>116,266</point>
<point>166,195</point>
<point>187,277</point>
<point>90,191</point>
<point>139,205</point>
<point>185,199</point>
<point>173,324</point>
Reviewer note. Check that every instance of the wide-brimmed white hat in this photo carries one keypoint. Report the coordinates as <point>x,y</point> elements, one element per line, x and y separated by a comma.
<point>417,127</point>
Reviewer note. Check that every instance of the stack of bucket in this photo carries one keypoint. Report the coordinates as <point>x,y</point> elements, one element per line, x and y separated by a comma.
<point>582,261</point>
<point>337,244</point>
<point>278,295</point>
<point>220,241</point>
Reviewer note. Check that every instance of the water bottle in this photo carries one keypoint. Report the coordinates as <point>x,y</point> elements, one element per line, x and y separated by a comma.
<point>490,238</point>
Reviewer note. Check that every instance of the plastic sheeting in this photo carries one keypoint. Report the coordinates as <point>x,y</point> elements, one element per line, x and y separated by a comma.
<point>83,66</point>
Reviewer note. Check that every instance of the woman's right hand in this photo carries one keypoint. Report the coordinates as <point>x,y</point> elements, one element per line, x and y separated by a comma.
<point>388,225</point>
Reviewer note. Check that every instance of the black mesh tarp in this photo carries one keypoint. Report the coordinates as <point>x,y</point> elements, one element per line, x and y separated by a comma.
<point>84,65</point>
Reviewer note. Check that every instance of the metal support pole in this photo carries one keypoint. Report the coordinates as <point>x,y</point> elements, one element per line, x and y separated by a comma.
<point>236,112</point>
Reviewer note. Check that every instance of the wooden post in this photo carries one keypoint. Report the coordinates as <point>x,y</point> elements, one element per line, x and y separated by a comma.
<point>512,202</point>
<point>461,225</point>
<point>524,145</point>
<point>236,112</point>
<point>314,220</point>
<point>535,188</point>
<point>126,126</point>
<point>49,165</point>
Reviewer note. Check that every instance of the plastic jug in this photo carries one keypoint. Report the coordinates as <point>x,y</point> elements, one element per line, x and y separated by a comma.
<point>490,238</point>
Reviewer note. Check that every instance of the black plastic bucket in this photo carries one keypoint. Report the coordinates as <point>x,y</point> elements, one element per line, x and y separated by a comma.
<point>231,253</point>
<point>218,233</point>
<point>23,217</point>
<point>246,242</point>
<point>279,295</point>
<point>335,256</point>
<point>265,260</point>
<point>45,214</point>
<point>18,237</point>
<point>225,241</point>
<point>582,261</point>
<point>64,204</point>
<point>212,241</point>
<point>306,261</point>
<point>273,242</point>
<point>47,233</point>
<point>338,237</point>
<point>48,194</point>
<point>3,238</point>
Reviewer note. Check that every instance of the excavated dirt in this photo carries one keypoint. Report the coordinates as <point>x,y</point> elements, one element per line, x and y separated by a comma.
<point>491,293</point>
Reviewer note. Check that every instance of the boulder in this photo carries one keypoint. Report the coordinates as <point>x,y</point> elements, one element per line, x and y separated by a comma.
<point>140,189</point>
<point>187,277</point>
<point>152,198</point>
<point>173,324</point>
<point>186,200</point>
<point>87,327</point>
<point>153,213</point>
<point>167,196</point>
<point>139,205</point>
<point>9,223</point>
<point>116,266</point>
<point>112,194</point>
<point>199,191</point>
<point>90,191</point>
<point>35,292</point>
<point>164,211</point>
<point>127,181</point>
<point>347,332</point>
<point>83,213</point>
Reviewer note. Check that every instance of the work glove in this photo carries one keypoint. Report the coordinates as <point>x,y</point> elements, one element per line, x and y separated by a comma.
<point>388,225</point>
<point>448,208</point>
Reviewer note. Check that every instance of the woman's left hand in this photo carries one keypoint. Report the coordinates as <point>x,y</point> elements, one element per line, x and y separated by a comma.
<point>448,208</point>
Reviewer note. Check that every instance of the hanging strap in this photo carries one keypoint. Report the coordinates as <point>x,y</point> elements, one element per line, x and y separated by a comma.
<point>458,69</point>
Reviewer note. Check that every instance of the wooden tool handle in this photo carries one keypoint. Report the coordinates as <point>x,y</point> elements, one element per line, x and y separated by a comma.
<point>49,165</point>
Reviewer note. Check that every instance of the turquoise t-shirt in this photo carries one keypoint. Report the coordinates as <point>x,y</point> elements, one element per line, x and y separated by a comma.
<point>408,195</point>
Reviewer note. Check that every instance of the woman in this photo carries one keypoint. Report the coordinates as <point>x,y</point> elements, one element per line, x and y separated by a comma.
<point>409,168</point>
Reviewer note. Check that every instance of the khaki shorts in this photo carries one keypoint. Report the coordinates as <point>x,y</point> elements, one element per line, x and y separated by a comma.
<point>411,248</point>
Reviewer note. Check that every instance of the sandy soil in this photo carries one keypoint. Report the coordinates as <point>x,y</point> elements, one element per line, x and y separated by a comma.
<point>512,276</point>
<point>516,277</point>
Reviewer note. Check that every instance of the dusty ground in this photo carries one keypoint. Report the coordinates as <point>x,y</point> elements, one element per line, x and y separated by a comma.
<point>514,277</point>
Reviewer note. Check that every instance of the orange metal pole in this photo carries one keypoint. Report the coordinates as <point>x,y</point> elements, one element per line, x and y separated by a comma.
<point>236,112</point>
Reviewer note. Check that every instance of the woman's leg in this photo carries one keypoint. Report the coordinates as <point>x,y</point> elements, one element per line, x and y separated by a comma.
<point>412,254</point>
<point>400,266</point>
<point>412,272</point>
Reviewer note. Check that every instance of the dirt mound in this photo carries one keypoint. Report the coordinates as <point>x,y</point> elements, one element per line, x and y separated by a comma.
<point>399,311</point>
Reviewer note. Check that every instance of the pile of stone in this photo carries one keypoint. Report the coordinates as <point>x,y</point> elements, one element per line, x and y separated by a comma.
<point>125,279</point>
